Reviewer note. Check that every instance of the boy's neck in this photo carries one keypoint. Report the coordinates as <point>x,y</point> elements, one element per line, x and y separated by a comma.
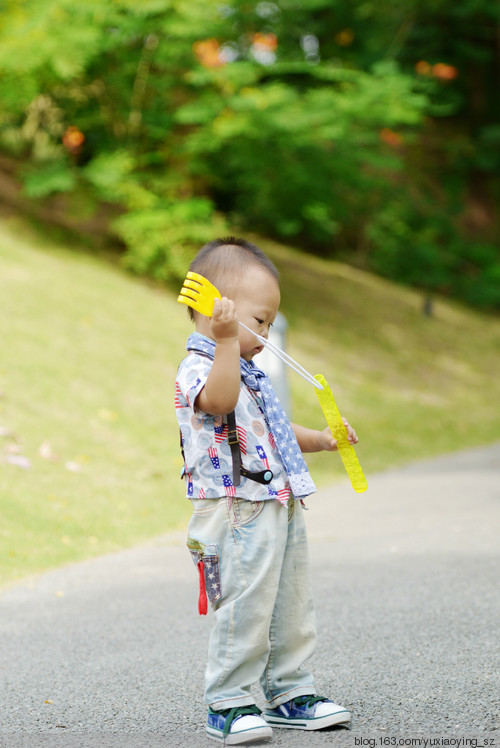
<point>203,327</point>
<point>208,337</point>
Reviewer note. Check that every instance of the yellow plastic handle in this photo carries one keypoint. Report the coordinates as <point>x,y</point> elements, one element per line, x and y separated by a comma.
<point>336,425</point>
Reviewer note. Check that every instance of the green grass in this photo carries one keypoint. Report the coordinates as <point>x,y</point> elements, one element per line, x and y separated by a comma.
<point>87,361</point>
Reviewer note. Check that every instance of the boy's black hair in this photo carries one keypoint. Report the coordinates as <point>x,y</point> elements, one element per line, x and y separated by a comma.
<point>223,262</point>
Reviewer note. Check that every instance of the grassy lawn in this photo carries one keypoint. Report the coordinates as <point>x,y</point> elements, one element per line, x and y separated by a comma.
<point>89,457</point>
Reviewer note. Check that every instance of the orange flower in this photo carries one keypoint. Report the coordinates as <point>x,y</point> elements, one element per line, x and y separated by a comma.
<point>208,53</point>
<point>73,139</point>
<point>444,72</point>
<point>390,137</point>
<point>423,68</point>
<point>345,38</point>
<point>268,42</point>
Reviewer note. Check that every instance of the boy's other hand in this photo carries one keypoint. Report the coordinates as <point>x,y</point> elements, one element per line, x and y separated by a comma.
<point>330,444</point>
<point>224,322</point>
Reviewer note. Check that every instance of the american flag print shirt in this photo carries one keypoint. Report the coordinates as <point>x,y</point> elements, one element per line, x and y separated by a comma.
<point>208,469</point>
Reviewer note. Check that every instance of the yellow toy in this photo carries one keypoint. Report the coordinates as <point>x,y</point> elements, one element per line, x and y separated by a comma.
<point>198,293</point>
<point>336,426</point>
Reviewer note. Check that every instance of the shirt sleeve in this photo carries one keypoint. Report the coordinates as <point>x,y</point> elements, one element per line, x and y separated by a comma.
<point>191,377</point>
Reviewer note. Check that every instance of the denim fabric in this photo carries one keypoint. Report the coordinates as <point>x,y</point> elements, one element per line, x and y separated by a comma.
<point>257,579</point>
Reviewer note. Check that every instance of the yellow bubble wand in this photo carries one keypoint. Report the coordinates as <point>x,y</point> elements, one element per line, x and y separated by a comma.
<point>198,293</point>
<point>336,426</point>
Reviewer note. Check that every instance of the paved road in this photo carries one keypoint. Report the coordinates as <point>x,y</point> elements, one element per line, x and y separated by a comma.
<point>111,652</point>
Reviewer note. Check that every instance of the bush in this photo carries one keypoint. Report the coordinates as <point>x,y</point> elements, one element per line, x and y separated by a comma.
<point>433,256</point>
<point>306,121</point>
<point>161,241</point>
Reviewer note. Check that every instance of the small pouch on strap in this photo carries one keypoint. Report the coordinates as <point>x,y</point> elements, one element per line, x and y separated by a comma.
<point>206,560</point>
<point>202,600</point>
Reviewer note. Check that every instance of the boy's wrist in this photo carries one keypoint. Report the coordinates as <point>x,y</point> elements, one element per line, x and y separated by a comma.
<point>228,341</point>
<point>321,441</point>
<point>326,442</point>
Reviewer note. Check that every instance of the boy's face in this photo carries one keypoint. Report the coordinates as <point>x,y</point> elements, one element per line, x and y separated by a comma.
<point>257,301</point>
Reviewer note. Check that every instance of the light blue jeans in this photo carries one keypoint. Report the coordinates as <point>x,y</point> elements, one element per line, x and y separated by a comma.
<point>256,571</point>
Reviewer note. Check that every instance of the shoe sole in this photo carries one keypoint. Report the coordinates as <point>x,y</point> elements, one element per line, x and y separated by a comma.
<point>339,718</point>
<point>235,738</point>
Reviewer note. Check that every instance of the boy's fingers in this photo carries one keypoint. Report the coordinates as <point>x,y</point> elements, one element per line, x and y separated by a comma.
<point>217,308</point>
<point>226,306</point>
<point>351,434</point>
<point>220,309</point>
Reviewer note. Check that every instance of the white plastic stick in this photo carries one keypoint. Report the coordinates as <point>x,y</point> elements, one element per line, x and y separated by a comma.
<point>288,360</point>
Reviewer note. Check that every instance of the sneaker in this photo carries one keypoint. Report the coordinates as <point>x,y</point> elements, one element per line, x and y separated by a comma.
<point>308,713</point>
<point>239,725</point>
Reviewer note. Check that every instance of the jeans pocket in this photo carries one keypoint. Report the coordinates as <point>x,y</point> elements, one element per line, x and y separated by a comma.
<point>245,511</point>
<point>204,507</point>
<point>206,558</point>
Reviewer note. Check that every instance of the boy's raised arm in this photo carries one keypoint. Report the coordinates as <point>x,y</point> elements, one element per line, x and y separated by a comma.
<point>222,388</point>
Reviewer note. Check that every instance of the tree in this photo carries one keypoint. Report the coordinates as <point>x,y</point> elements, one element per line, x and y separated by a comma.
<point>312,120</point>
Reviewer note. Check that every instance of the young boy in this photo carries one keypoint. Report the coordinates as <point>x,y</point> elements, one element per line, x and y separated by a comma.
<point>246,477</point>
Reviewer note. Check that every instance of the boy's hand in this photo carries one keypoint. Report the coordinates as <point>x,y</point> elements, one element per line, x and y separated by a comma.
<point>329,444</point>
<point>224,322</point>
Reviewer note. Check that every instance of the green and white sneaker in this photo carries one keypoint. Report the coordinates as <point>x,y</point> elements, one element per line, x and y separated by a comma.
<point>307,713</point>
<point>242,724</point>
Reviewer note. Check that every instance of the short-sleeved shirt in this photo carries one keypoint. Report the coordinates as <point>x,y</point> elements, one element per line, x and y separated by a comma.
<point>208,469</point>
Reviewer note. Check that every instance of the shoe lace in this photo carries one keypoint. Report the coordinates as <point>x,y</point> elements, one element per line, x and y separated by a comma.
<point>308,701</point>
<point>234,713</point>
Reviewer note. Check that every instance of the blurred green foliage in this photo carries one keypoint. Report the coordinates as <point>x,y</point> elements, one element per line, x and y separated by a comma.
<point>364,130</point>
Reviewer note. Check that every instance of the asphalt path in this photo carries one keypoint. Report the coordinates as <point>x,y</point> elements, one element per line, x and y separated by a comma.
<point>111,652</point>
